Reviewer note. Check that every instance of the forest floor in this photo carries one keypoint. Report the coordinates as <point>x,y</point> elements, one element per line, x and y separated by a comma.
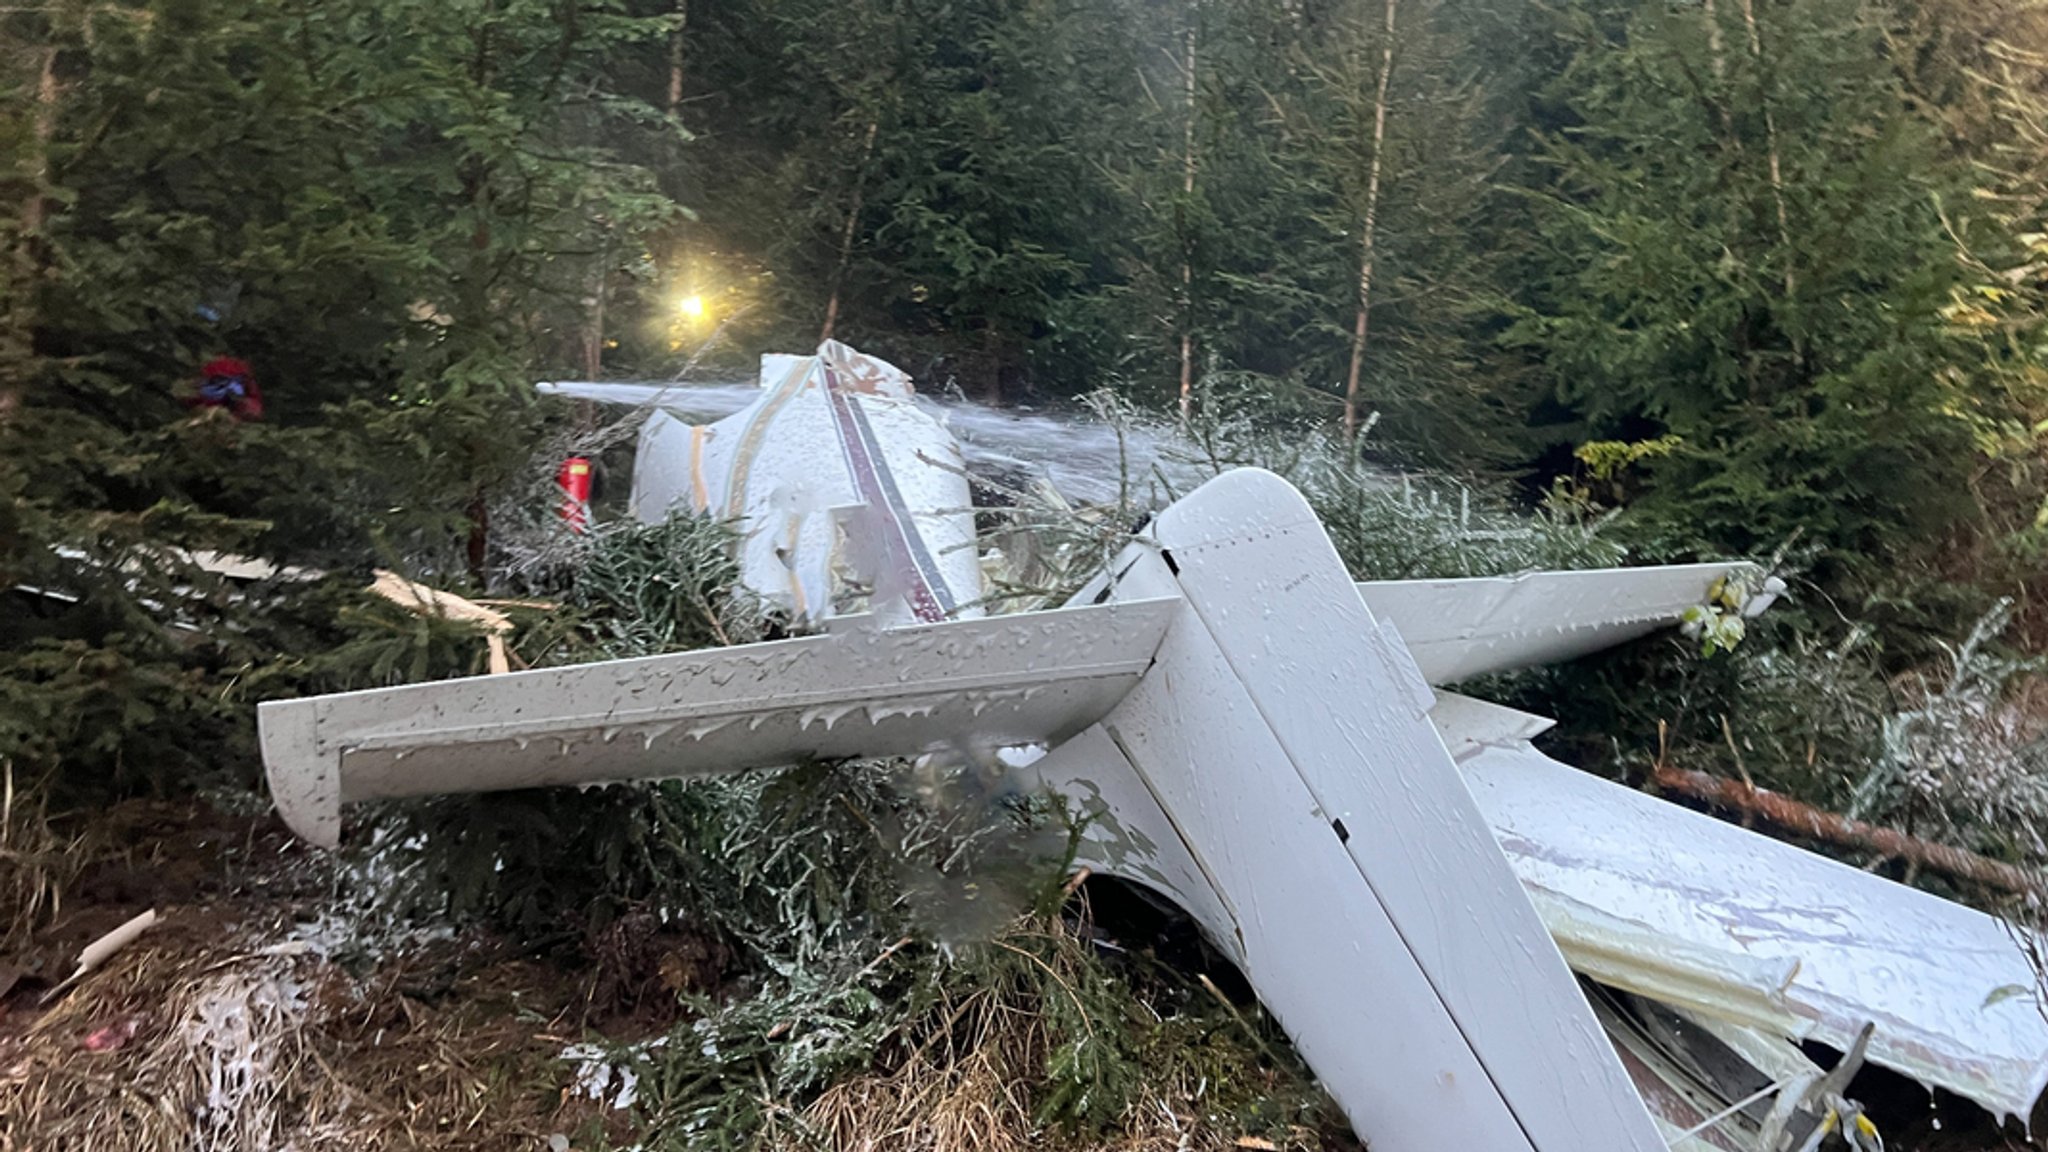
<point>251,1017</point>
<point>244,1020</point>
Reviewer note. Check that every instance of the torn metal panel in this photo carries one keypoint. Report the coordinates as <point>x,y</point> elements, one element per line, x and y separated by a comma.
<point>834,468</point>
<point>1458,629</point>
<point>1947,986</point>
<point>1013,680</point>
<point>1621,953</point>
<point>1706,1095</point>
<point>1771,1054</point>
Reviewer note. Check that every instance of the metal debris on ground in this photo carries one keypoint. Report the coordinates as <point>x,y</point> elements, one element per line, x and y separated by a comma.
<point>1221,689</point>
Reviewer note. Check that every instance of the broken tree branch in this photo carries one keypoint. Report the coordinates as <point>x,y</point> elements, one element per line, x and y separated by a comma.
<point>1803,819</point>
<point>427,601</point>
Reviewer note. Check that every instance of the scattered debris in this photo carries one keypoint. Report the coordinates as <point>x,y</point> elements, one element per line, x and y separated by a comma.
<point>99,951</point>
<point>416,597</point>
<point>109,1037</point>
<point>211,1043</point>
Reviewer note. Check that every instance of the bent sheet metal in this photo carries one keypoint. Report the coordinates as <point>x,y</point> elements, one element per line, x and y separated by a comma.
<point>833,469</point>
<point>1258,738</point>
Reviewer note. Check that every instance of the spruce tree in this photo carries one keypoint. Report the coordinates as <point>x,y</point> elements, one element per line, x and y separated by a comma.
<point>387,209</point>
<point>1737,243</point>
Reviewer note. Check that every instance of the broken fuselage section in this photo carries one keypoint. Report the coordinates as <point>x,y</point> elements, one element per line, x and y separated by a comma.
<point>1408,884</point>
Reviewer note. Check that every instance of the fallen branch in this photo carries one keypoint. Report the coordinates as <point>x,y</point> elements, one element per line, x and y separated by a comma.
<point>1803,819</point>
<point>427,601</point>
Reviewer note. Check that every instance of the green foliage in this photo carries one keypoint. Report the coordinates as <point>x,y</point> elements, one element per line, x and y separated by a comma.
<point>786,865</point>
<point>1387,526</point>
<point>1743,250</point>
<point>641,590</point>
<point>392,211</point>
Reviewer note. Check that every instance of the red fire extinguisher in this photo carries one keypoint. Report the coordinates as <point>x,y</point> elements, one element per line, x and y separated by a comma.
<point>574,480</point>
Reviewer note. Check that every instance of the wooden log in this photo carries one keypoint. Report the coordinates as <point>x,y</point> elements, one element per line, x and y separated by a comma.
<point>1803,819</point>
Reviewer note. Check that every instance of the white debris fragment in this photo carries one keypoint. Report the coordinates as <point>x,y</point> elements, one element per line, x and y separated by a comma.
<point>605,1074</point>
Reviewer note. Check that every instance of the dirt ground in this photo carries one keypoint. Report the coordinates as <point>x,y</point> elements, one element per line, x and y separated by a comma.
<point>241,1020</point>
<point>247,1018</point>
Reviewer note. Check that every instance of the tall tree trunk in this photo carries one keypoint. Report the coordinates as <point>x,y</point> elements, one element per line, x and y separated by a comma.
<point>37,206</point>
<point>1716,55</point>
<point>1362,328</point>
<point>675,57</point>
<point>1187,260</point>
<point>846,234</point>
<point>34,215</point>
<point>1756,52</point>
<point>593,324</point>
<point>1717,59</point>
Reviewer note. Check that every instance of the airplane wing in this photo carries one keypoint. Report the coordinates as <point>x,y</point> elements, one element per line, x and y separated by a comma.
<point>1655,889</point>
<point>1458,629</point>
<point>858,692</point>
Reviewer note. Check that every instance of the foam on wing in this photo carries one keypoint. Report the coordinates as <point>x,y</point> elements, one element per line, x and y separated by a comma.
<point>861,692</point>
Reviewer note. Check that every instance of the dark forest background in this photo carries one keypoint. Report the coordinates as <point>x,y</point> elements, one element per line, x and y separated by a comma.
<point>1727,277</point>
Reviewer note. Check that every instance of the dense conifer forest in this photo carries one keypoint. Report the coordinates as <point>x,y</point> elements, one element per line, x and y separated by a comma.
<point>1617,281</point>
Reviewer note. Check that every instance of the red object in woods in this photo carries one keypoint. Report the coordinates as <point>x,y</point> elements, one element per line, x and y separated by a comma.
<point>574,479</point>
<point>226,382</point>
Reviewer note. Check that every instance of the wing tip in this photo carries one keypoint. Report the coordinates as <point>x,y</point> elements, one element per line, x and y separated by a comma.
<point>305,783</point>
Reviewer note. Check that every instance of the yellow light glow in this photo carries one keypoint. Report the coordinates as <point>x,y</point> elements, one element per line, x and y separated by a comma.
<point>691,306</point>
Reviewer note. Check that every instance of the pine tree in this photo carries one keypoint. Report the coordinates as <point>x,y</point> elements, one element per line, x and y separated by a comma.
<point>1980,72</point>
<point>930,179</point>
<point>1396,126</point>
<point>388,208</point>
<point>1738,245</point>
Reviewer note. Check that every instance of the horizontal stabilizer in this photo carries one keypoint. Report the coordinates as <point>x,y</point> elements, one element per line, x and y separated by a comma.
<point>1468,725</point>
<point>1013,680</point>
<point>1458,629</point>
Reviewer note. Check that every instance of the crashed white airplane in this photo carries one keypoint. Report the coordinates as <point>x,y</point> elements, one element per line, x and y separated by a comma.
<point>1407,883</point>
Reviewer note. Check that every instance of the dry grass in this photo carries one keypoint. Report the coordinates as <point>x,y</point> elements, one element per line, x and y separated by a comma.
<point>966,1081</point>
<point>247,1048</point>
<point>955,1091</point>
<point>227,1033</point>
<point>36,864</point>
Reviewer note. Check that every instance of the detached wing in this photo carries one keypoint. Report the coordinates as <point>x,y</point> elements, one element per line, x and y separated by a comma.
<point>1709,916</point>
<point>861,692</point>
